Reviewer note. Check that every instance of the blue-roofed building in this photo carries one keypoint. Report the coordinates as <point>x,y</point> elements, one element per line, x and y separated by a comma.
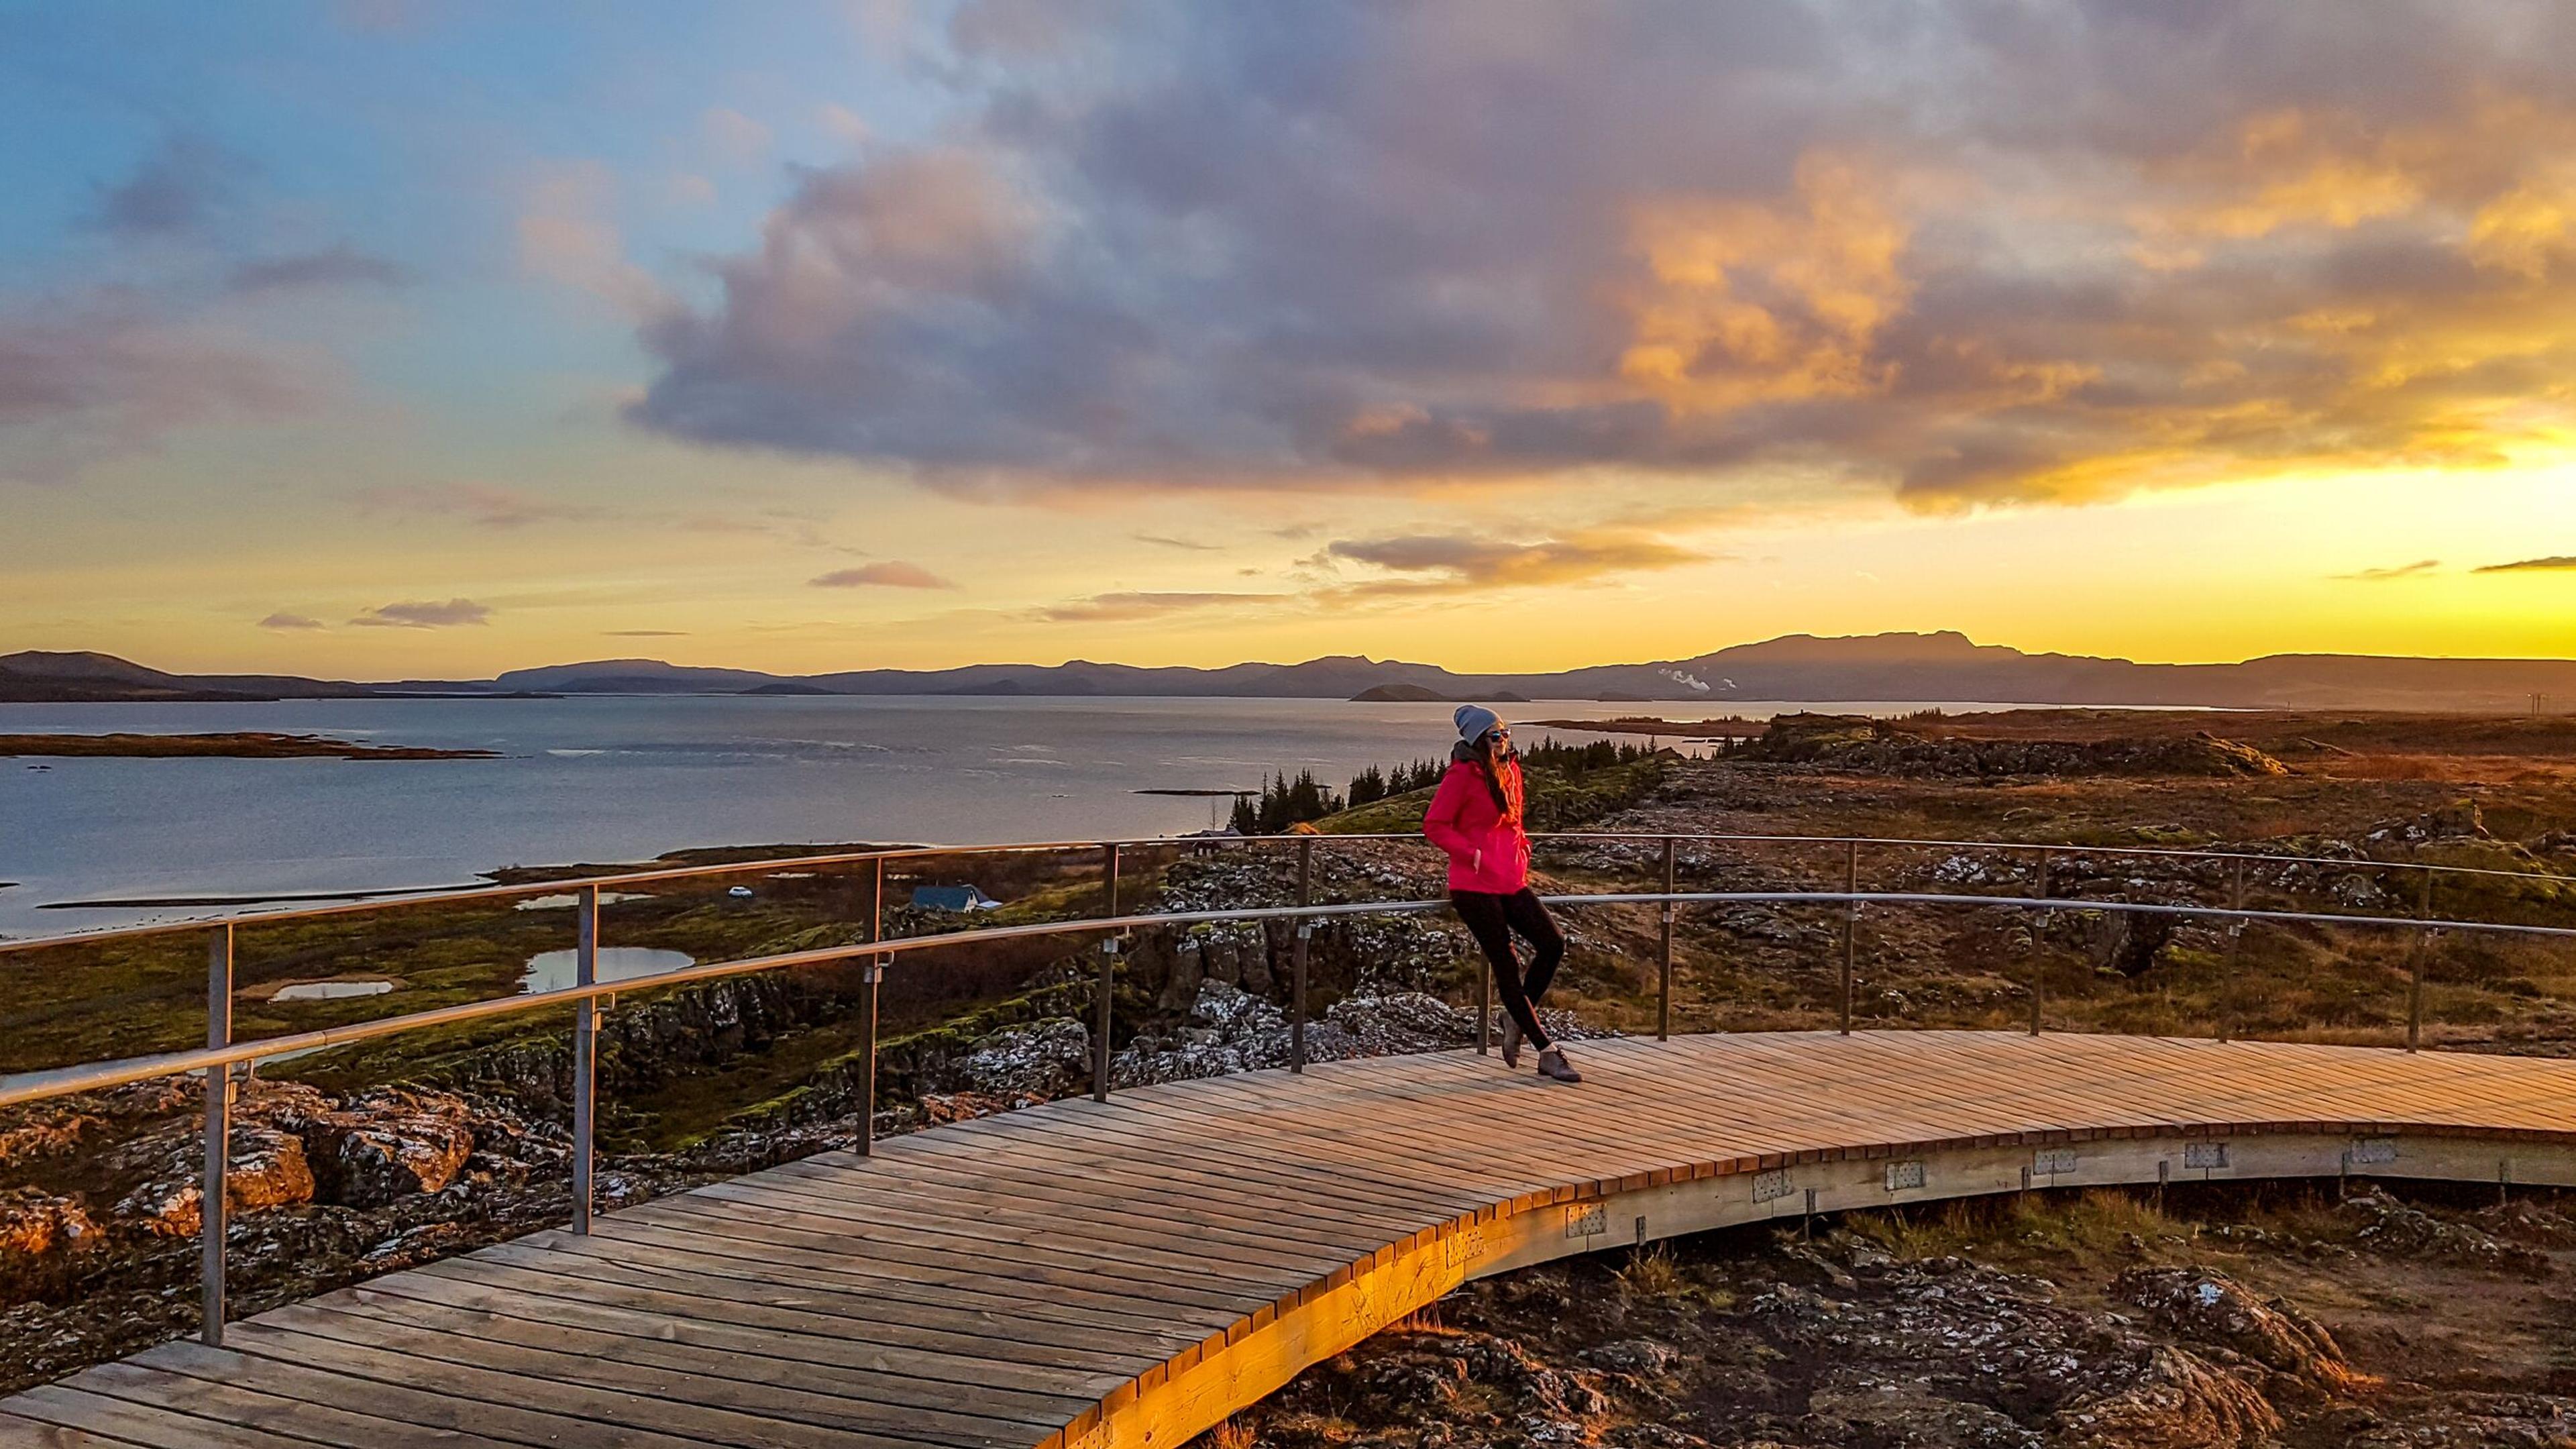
<point>953,898</point>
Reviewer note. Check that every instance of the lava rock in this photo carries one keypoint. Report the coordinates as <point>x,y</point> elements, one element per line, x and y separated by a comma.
<point>2179,1401</point>
<point>2211,1308</point>
<point>1043,1059</point>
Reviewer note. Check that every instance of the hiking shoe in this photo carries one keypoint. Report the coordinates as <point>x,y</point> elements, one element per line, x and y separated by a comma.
<point>1511,1041</point>
<point>1552,1064</point>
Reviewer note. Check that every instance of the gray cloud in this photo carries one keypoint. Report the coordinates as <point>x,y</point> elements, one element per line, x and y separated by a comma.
<point>2532,565</point>
<point>2390,574</point>
<point>1971,253</point>
<point>175,189</point>
<point>339,266</point>
<point>891,574</point>
<point>95,378</point>
<point>425,614</point>
<point>284,620</point>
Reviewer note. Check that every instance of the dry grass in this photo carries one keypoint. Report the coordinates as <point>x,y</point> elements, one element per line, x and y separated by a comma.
<point>2095,1226</point>
<point>1232,1434</point>
<point>1926,1233</point>
<point>1651,1272</point>
<point>1425,1320</point>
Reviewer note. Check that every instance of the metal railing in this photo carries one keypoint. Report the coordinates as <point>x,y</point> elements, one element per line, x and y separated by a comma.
<point>588,994</point>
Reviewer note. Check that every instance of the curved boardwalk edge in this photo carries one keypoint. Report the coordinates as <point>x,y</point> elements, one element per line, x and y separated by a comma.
<point>1086,1275</point>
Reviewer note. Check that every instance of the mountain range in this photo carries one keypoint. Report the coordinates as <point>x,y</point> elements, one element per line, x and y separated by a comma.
<point>1936,667</point>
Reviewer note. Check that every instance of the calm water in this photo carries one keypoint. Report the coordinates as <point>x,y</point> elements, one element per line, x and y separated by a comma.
<point>614,779</point>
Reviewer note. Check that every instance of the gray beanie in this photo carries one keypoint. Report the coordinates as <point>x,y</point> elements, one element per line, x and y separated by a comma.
<point>1475,722</point>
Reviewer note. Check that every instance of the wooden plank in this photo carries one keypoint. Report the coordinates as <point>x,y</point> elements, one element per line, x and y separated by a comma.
<point>767,1388</point>
<point>969,1343</point>
<point>18,1433</point>
<point>1041,1275</point>
<point>410,1396</point>
<point>999,1388</point>
<point>645,1260</point>
<point>176,1409</point>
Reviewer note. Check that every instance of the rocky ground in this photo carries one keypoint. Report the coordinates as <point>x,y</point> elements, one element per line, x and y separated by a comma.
<point>2054,1322</point>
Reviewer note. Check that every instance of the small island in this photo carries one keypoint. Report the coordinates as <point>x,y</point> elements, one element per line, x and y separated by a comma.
<point>240,745</point>
<point>1424,694</point>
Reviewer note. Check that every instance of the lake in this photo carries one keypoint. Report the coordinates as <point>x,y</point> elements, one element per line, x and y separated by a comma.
<point>625,778</point>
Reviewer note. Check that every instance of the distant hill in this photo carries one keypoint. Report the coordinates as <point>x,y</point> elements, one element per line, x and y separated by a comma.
<point>1936,667</point>
<point>633,676</point>
<point>40,677</point>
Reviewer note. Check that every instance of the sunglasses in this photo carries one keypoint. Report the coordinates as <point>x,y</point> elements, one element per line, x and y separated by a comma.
<point>1502,737</point>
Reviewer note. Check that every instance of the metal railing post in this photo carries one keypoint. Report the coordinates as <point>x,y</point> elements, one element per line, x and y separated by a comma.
<point>869,975</point>
<point>585,1064</point>
<point>2038,955</point>
<point>1664,984</point>
<point>2235,951</point>
<point>2415,976</point>
<point>1100,1033</point>
<point>1851,927</point>
<point>1305,930</point>
<point>212,1217</point>
<point>1108,977</point>
<point>876,901</point>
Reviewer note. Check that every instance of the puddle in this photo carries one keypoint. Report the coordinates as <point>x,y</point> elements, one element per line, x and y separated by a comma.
<point>554,970</point>
<point>567,900</point>
<point>329,990</point>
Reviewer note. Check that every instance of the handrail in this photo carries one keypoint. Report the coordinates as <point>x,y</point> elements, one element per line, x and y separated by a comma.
<point>772,865</point>
<point>26,1087</point>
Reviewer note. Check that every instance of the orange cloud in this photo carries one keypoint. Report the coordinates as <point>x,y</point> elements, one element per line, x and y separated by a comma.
<point>1748,301</point>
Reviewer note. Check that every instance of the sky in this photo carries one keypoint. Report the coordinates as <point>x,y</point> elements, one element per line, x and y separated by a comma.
<point>401,338</point>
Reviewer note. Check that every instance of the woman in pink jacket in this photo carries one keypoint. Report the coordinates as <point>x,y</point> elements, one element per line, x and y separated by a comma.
<point>1475,815</point>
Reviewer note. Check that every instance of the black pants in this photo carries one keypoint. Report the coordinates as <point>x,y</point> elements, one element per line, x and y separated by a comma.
<point>1492,919</point>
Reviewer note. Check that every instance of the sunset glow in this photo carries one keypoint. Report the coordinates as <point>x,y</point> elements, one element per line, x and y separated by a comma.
<point>1513,338</point>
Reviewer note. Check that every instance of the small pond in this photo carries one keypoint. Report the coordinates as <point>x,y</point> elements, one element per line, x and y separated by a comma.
<point>554,970</point>
<point>329,990</point>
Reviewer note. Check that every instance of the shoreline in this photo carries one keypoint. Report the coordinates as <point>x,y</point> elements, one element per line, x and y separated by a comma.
<point>137,903</point>
<point>238,744</point>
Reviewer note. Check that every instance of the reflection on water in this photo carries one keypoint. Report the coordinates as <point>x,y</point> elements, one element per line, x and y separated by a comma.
<point>555,970</point>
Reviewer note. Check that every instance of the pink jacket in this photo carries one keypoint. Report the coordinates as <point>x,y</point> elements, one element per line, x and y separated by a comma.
<point>1488,850</point>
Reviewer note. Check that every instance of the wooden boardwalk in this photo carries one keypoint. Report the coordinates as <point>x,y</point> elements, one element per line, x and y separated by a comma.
<point>1087,1274</point>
